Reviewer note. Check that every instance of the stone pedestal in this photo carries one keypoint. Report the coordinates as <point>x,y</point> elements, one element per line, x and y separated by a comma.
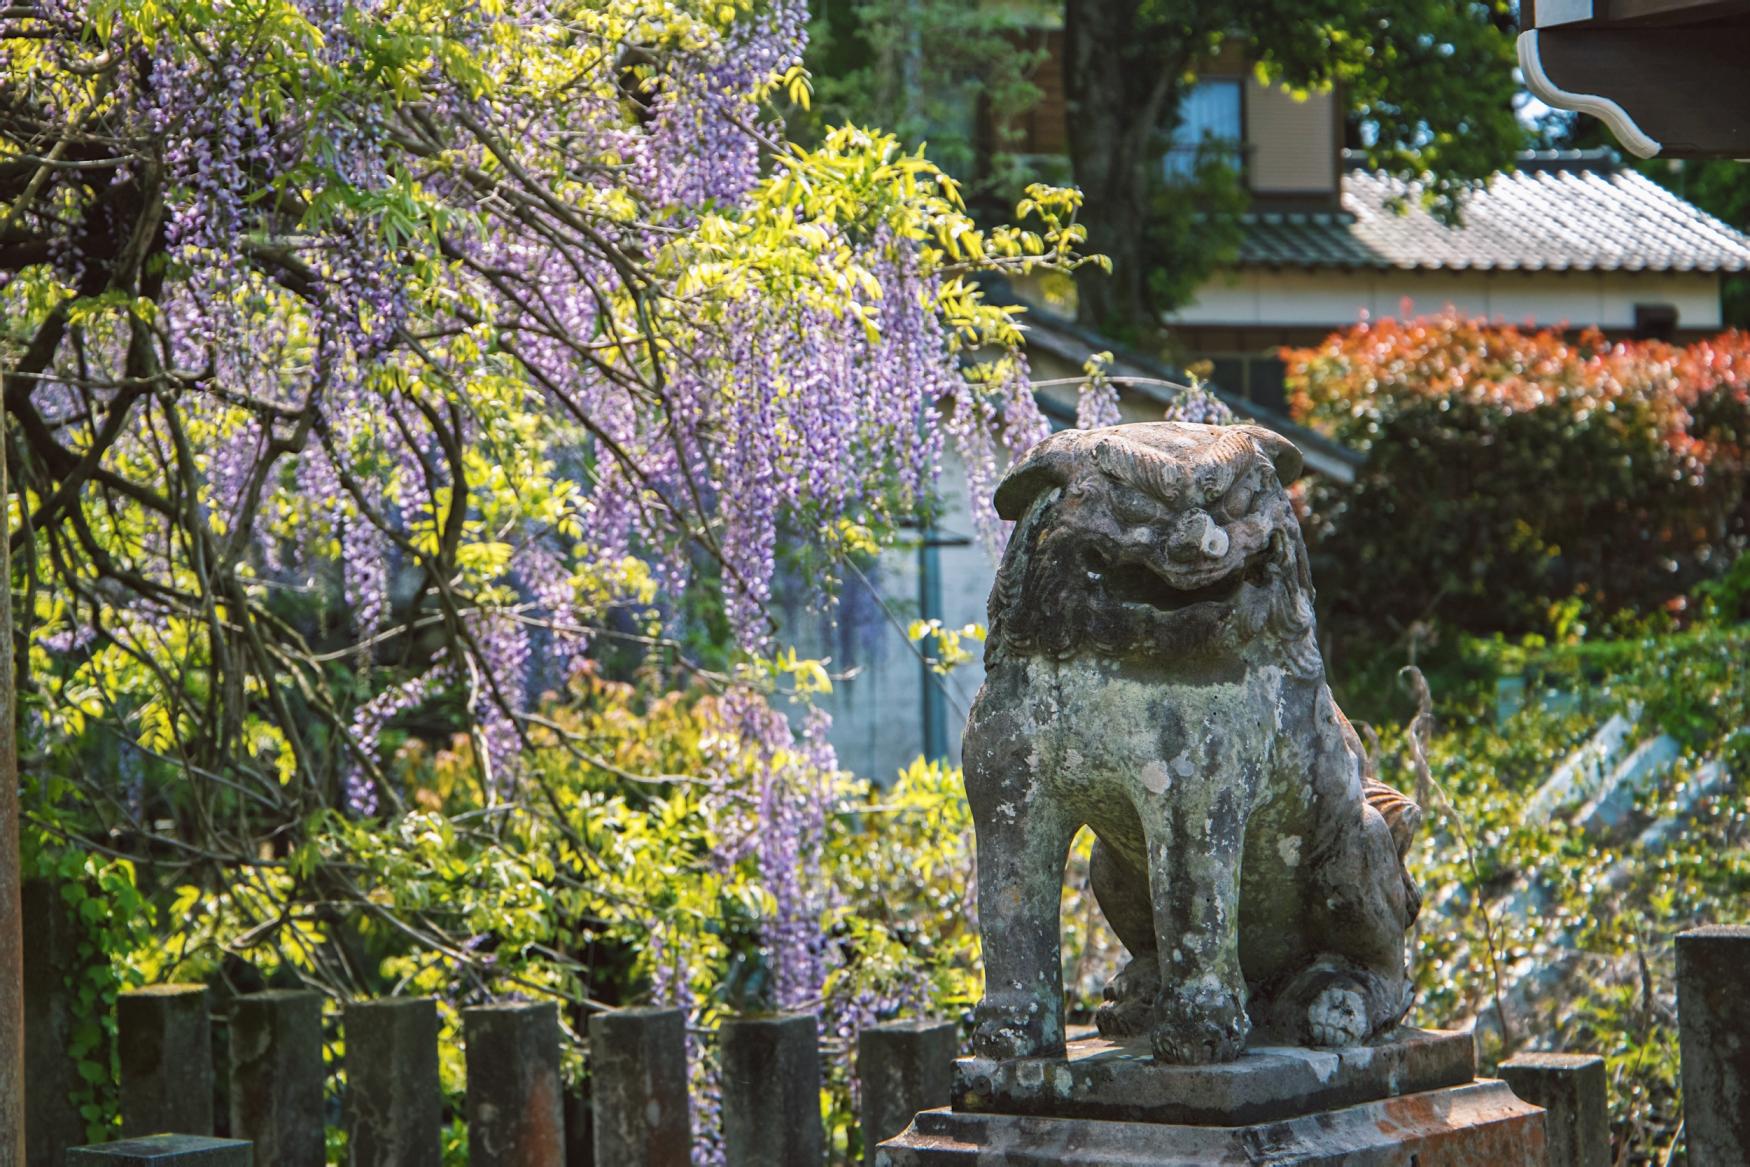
<point>1571,1089</point>
<point>164,1151</point>
<point>1410,1098</point>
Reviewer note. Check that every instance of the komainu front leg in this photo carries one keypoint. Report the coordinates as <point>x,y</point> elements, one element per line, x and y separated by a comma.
<point>1194,869</point>
<point>1021,853</point>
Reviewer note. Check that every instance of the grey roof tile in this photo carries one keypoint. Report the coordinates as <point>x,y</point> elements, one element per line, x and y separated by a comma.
<point>1556,213</point>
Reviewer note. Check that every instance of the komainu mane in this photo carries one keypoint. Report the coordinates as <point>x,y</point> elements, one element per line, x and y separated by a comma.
<point>1153,675</point>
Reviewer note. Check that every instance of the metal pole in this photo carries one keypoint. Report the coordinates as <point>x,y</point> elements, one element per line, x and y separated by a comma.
<point>930,608</point>
<point>11,909</point>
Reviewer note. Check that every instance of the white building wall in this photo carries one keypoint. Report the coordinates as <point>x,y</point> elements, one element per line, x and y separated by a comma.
<point>1336,299</point>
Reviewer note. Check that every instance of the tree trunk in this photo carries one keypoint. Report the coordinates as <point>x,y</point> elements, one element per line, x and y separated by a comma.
<point>11,910</point>
<point>1122,77</point>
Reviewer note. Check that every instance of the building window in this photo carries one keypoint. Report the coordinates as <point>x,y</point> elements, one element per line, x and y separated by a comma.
<point>1209,122</point>
<point>1655,321</point>
<point>1259,377</point>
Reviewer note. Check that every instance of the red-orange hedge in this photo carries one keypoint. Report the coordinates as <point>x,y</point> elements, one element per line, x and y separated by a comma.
<point>1510,468</point>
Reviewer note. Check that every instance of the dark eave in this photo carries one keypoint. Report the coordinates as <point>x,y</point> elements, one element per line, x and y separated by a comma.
<point>1136,374</point>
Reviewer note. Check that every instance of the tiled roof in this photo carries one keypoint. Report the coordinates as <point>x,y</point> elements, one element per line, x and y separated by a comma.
<point>1573,212</point>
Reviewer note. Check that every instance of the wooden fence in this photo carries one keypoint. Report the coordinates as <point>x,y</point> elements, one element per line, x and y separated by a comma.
<point>637,1110</point>
<point>517,1109</point>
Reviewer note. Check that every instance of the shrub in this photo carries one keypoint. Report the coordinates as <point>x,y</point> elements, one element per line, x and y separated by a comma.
<point>1510,472</point>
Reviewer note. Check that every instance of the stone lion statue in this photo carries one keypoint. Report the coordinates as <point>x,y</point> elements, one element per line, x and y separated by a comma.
<point>1152,674</point>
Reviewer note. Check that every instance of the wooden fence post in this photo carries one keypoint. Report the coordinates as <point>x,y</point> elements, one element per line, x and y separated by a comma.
<point>394,1104</point>
<point>516,1105</point>
<point>638,1081</point>
<point>276,1076</point>
<point>165,1039</point>
<point>771,1091</point>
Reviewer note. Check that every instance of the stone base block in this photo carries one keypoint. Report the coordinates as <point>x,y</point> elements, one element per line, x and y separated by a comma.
<point>1121,1081</point>
<point>1479,1124</point>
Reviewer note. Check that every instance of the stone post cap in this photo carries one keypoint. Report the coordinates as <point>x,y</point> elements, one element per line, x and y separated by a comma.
<point>164,1151</point>
<point>910,1025</point>
<point>492,1007</point>
<point>1708,932</point>
<point>394,1003</point>
<point>1547,1060</point>
<point>269,996</point>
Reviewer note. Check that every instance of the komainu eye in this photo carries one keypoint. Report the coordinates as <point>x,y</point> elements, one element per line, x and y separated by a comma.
<point>1239,500</point>
<point>1131,506</point>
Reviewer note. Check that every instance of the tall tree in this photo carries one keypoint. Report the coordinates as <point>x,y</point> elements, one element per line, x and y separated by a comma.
<point>1427,85</point>
<point>367,362</point>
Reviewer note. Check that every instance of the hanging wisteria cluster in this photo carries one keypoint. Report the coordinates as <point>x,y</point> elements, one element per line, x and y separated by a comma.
<point>358,350</point>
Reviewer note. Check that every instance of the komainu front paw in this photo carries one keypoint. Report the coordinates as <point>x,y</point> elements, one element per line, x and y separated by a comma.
<point>1338,1016</point>
<point>1016,1025</point>
<point>1199,1024</point>
<point>1130,999</point>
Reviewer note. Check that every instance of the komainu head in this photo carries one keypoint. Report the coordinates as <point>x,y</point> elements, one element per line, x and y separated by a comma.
<point>1164,540</point>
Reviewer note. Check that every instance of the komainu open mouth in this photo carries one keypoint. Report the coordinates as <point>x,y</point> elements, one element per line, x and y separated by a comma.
<point>1135,583</point>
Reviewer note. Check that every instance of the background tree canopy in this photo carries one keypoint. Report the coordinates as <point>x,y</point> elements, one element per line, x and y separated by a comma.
<point>1427,86</point>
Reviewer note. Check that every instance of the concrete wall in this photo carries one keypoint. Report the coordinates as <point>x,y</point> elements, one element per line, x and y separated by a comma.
<point>878,723</point>
<point>1336,299</point>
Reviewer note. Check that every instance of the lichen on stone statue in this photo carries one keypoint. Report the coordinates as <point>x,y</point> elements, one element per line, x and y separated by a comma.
<point>1153,674</point>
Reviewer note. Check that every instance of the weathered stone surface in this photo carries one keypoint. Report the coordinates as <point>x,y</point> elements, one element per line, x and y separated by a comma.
<point>164,1038</point>
<point>1713,1020</point>
<point>771,1091</point>
<point>394,1104</point>
<point>1480,1124</point>
<point>638,1079</point>
<point>1152,672</point>
<point>903,1067</point>
<point>276,1076</point>
<point>1118,1080</point>
<point>51,1121</point>
<point>516,1105</point>
<point>1571,1090</point>
<point>165,1151</point>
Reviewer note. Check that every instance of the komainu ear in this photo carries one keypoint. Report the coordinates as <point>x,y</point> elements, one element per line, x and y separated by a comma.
<point>1283,454</point>
<point>1046,465</point>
